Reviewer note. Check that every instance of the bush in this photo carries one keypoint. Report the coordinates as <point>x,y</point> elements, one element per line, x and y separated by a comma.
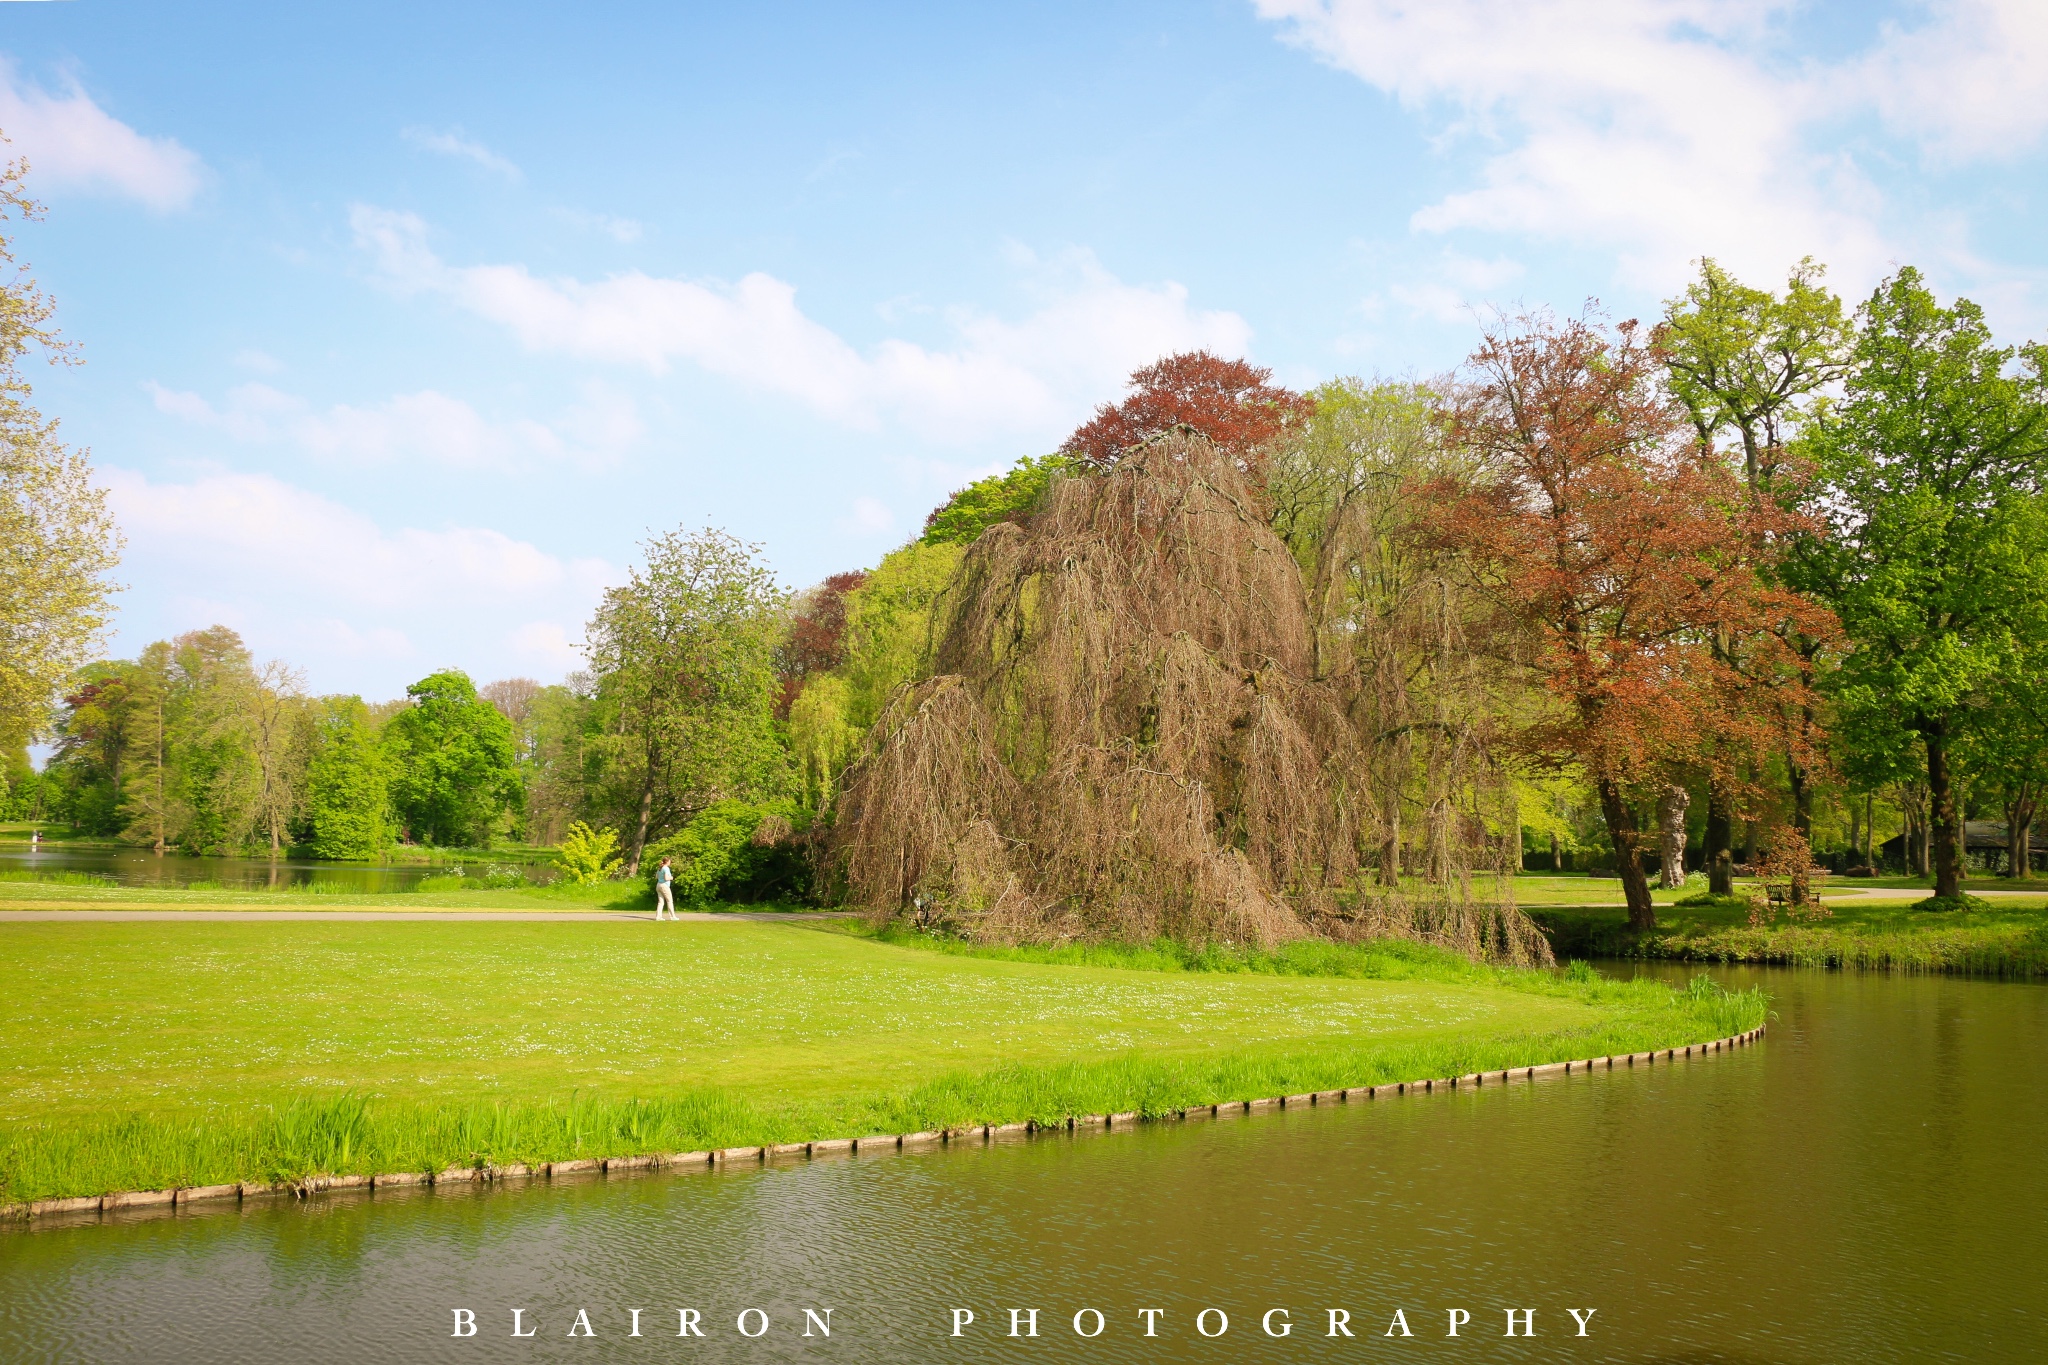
<point>736,851</point>
<point>588,856</point>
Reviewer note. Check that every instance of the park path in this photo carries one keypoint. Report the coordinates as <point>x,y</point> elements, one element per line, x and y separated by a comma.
<point>72,914</point>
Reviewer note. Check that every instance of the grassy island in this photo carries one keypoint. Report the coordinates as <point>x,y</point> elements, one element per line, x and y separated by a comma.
<point>145,1055</point>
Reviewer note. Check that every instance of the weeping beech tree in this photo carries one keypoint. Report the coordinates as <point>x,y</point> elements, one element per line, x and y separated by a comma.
<point>1124,735</point>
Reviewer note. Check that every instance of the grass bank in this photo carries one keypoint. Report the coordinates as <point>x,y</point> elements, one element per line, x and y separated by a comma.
<point>144,1056</point>
<point>2007,937</point>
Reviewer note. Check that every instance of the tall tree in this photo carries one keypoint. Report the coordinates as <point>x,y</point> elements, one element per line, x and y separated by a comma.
<point>1235,404</point>
<point>684,652</point>
<point>453,772</point>
<point>1933,468</point>
<point>58,542</point>
<point>278,720</point>
<point>347,788</point>
<point>1611,547</point>
<point>562,720</point>
<point>1747,363</point>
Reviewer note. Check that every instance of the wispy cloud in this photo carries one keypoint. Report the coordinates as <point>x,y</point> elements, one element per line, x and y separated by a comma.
<point>256,529</point>
<point>1667,128</point>
<point>72,143</point>
<point>426,426</point>
<point>456,143</point>
<point>625,230</point>
<point>1087,333</point>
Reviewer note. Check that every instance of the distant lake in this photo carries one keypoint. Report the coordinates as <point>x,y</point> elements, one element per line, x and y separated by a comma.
<point>140,867</point>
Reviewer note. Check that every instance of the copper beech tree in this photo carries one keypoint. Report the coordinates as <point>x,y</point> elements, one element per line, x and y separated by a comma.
<point>1611,547</point>
<point>1230,402</point>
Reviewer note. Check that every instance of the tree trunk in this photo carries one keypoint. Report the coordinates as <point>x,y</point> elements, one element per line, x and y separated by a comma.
<point>1627,837</point>
<point>1869,829</point>
<point>640,827</point>
<point>1720,839</point>
<point>1671,830</point>
<point>1556,862</point>
<point>2019,833</point>
<point>1855,828</point>
<point>1945,820</point>
<point>1802,822</point>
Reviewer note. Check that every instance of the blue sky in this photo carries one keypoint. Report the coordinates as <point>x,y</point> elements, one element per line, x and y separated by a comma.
<point>403,325</point>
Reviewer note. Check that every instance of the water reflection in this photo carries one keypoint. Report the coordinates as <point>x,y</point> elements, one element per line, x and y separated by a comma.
<point>141,867</point>
<point>1868,1185</point>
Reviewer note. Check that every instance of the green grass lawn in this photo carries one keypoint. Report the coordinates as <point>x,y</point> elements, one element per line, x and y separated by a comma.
<point>142,1055</point>
<point>2004,937</point>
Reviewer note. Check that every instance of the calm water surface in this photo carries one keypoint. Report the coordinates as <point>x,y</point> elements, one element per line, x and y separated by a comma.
<point>1869,1184</point>
<point>140,867</point>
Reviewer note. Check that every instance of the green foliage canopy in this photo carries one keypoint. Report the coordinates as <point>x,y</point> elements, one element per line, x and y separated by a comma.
<point>684,654</point>
<point>1933,468</point>
<point>1009,496</point>
<point>453,769</point>
<point>347,792</point>
<point>736,851</point>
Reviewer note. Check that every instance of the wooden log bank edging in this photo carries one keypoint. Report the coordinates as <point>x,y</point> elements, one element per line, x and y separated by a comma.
<point>71,1211</point>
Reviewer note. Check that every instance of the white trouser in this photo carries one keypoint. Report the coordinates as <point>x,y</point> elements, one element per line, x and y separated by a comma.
<point>664,899</point>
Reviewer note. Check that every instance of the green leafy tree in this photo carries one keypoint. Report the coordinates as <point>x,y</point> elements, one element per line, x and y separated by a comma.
<point>561,720</point>
<point>454,772</point>
<point>1932,470</point>
<point>58,542</point>
<point>889,624</point>
<point>1009,496</point>
<point>684,654</point>
<point>1747,364</point>
<point>348,800</point>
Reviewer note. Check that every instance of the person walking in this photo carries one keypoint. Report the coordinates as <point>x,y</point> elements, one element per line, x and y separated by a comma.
<point>664,892</point>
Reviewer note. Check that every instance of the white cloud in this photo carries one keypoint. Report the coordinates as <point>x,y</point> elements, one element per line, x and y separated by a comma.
<point>71,142</point>
<point>626,230</point>
<point>257,530</point>
<point>260,361</point>
<point>363,606</point>
<point>548,644</point>
<point>457,143</point>
<point>1670,128</point>
<point>1455,286</point>
<point>868,517</point>
<point>1972,82</point>
<point>1088,332</point>
<point>427,425</point>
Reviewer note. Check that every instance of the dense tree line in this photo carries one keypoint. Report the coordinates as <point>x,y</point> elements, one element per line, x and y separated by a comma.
<point>1762,582</point>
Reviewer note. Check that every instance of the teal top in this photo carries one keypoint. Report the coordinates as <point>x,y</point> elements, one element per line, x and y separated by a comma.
<point>661,877</point>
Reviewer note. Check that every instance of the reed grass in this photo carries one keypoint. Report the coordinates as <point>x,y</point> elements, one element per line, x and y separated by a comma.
<point>13,874</point>
<point>291,1138</point>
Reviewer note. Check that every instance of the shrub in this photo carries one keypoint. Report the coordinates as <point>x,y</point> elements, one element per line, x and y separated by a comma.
<point>588,856</point>
<point>736,851</point>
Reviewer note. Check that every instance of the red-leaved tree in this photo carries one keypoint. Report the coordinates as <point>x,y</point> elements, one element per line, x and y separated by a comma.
<point>1613,547</point>
<point>1229,401</point>
<point>815,640</point>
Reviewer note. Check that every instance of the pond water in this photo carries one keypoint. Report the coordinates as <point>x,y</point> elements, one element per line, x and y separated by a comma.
<point>1868,1184</point>
<point>140,867</point>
